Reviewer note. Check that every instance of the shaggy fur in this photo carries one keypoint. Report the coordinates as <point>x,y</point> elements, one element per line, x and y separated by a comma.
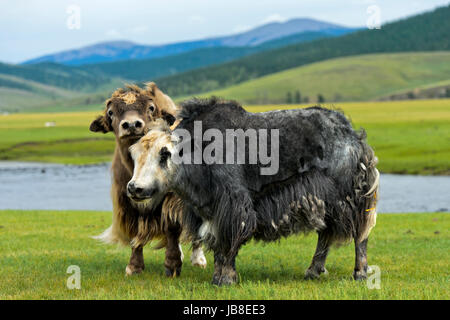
<point>327,182</point>
<point>133,223</point>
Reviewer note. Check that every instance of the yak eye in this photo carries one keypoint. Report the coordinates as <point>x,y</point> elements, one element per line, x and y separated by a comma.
<point>110,113</point>
<point>152,108</point>
<point>164,154</point>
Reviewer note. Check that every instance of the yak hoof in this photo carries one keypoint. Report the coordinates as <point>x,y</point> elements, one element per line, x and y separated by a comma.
<point>216,279</point>
<point>313,273</point>
<point>225,279</point>
<point>359,275</point>
<point>173,272</point>
<point>132,269</point>
<point>198,259</point>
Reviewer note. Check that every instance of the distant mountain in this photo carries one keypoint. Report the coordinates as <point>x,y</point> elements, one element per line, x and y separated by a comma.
<point>125,50</point>
<point>304,37</point>
<point>148,69</point>
<point>49,86</point>
<point>94,77</point>
<point>119,50</point>
<point>277,30</point>
<point>425,32</point>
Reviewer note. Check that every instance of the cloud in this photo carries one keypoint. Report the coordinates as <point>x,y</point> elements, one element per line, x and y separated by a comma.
<point>139,30</point>
<point>241,28</point>
<point>196,20</point>
<point>274,18</point>
<point>113,33</point>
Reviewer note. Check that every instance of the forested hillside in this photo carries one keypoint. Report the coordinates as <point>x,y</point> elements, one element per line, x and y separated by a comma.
<point>428,31</point>
<point>148,69</point>
<point>355,78</point>
<point>56,75</point>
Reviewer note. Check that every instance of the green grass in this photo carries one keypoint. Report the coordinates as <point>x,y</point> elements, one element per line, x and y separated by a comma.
<point>24,137</point>
<point>408,136</point>
<point>37,247</point>
<point>356,78</point>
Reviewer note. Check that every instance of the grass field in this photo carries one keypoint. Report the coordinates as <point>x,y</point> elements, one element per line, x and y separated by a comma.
<point>37,247</point>
<point>408,136</point>
<point>26,94</point>
<point>357,78</point>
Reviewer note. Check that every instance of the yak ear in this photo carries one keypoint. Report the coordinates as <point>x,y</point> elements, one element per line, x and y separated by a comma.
<point>99,125</point>
<point>170,119</point>
<point>163,101</point>
<point>150,87</point>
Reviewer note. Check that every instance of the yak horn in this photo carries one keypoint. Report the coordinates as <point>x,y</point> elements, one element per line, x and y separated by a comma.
<point>375,184</point>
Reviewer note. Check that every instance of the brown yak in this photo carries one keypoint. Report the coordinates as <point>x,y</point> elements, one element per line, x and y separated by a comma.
<point>127,114</point>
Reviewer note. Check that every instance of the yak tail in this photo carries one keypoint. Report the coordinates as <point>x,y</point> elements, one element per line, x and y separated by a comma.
<point>369,179</point>
<point>108,237</point>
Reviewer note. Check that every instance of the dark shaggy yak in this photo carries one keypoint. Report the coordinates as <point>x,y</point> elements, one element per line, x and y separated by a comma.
<point>327,182</point>
<point>127,114</point>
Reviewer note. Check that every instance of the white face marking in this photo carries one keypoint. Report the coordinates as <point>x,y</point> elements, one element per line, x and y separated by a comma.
<point>145,167</point>
<point>150,172</point>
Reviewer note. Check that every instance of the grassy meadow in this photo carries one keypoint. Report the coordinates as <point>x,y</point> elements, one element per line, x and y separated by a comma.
<point>37,247</point>
<point>355,78</point>
<point>408,136</point>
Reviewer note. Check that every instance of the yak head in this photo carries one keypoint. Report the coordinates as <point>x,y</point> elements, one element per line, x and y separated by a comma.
<point>130,109</point>
<point>154,167</point>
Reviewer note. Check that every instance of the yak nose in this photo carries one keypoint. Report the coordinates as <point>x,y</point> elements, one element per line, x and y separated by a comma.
<point>138,192</point>
<point>133,190</point>
<point>132,125</point>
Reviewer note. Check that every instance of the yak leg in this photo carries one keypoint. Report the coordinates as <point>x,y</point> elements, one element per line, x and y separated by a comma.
<point>317,266</point>
<point>218,263</point>
<point>224,270</point>
<point>198,257</point>
<point>174,255</point>
<point>360,272</point>
<point>229,274</point>
<point>136,264</point>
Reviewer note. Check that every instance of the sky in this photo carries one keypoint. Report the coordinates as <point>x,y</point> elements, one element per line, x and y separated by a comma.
<point>31,28</point>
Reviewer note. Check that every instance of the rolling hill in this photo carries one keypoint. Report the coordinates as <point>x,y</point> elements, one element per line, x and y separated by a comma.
<point>16,93</point>
<point>424,32</point>
<point>260,74</point>
<point>26,88</point>
<point>124,50</point>
<point>57,75</point>
<point>66,86</point>
<point>356,78</point>
<point>149,69</point>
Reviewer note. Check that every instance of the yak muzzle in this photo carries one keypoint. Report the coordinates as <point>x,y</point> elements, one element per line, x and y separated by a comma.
<point>131,128</point>
<point>137,193</point>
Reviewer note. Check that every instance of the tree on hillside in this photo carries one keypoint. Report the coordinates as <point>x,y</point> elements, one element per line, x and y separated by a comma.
<point>306,99</point>
<point>289,97</point>
<point>298,97</point>
<point>320,98</point>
